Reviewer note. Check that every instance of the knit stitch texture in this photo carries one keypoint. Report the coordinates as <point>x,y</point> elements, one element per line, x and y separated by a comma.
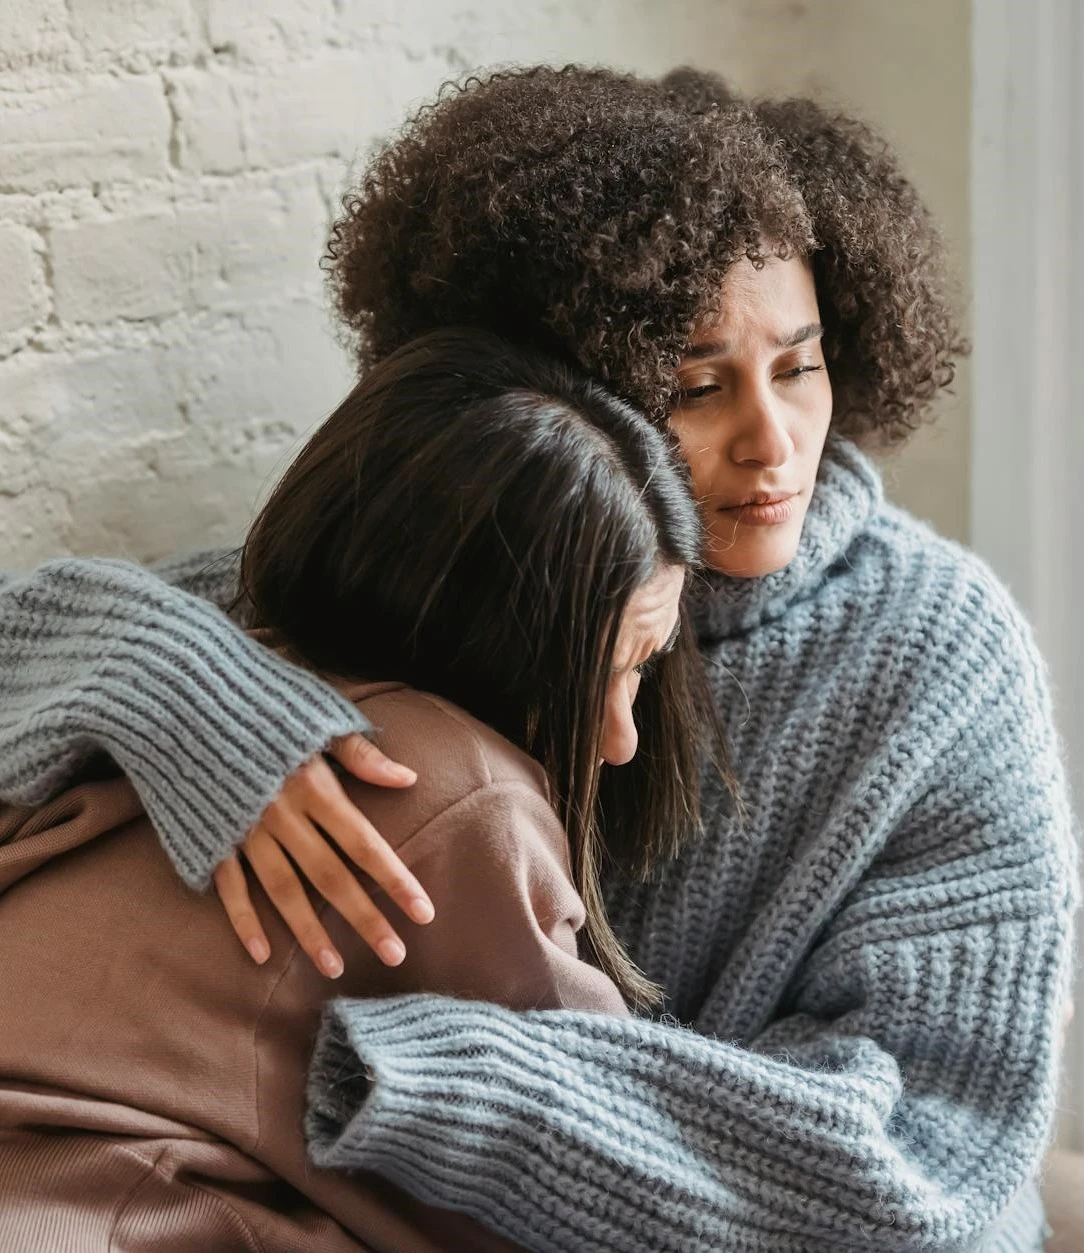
<point>104,657</point>
<point>872,966</point>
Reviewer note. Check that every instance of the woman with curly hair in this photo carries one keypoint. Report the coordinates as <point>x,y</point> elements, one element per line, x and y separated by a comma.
<point>868,950</point>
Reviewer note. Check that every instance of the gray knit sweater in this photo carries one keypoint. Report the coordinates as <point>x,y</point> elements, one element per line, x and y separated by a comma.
<point>102,656</point>
<point>871,967</point>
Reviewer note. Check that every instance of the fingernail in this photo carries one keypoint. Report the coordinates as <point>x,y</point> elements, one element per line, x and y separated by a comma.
<point>259,950</point>
<point>391,952</point>
<point>331,963</point>
<point>421,909</point>
<point>401,774</point>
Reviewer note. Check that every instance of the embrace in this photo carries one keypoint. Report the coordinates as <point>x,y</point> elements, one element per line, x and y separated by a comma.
<point>682,824</point>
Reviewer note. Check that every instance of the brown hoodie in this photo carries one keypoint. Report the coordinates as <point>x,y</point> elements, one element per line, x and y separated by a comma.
<point>152,1077</point>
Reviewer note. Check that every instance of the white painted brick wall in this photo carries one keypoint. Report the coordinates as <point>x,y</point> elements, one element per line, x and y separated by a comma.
<point>24,300</point>
<point>168,170</point>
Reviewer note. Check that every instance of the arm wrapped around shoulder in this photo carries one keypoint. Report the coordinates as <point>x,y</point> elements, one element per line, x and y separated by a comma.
<point>103,656</point>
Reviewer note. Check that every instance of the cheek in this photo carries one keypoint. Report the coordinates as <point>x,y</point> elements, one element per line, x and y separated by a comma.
<point>698,452</point>
<point>818,416</point>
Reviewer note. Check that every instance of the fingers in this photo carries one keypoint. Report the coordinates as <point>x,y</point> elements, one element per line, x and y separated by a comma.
<point>338,884</point>
<point>288,830</point>
<point>232,889</point>
<point>364,760</point>
<point>327,804</point>
<point>279,880</point>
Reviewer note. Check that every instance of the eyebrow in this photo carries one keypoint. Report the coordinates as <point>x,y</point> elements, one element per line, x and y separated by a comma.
<point>668,647</point>
<point>721,348</point>
<point>661,651</point>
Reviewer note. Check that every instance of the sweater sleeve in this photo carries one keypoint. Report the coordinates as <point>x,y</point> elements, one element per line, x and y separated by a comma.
<point>103,656</point>
<point>900,1100</point>
<point>212,574</point>
<point>507,918</point>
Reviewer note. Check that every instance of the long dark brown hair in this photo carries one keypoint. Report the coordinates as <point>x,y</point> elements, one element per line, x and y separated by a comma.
<point>472,520</point>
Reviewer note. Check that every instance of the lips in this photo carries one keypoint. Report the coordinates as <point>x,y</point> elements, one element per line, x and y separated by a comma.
<point>762,509</point>
<point>759,498</point>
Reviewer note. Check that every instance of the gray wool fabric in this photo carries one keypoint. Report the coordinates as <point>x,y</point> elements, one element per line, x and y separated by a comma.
<point>865,976</point>
<point>102,656</point>
<point>872,968</point>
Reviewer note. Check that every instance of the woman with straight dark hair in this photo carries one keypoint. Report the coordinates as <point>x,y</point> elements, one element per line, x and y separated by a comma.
<point>526,538</point>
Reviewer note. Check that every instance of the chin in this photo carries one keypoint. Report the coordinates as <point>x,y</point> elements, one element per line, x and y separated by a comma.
<point>753,556</point>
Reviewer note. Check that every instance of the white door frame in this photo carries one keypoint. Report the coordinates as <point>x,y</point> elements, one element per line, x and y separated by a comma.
<point>1027,487</point>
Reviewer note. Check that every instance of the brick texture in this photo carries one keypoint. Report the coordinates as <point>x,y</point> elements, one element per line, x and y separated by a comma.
<point>168,169</point>
<point>25,297</point>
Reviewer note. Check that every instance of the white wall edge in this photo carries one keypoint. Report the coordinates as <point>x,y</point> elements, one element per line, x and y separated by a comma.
<point>1027,492</point>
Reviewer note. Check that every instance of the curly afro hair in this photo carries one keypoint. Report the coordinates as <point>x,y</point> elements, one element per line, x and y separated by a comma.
<point>597,214</point>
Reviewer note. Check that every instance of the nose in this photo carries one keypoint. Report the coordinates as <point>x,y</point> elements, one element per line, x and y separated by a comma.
<point>761,438</point>
<point>619,735</point>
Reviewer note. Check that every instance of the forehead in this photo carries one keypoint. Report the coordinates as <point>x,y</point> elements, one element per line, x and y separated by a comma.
<point>652,610</point>
<point>771,300</point>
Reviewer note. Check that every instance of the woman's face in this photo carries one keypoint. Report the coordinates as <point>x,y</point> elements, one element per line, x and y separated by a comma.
<point>754,415</point>
<point>648,628</point>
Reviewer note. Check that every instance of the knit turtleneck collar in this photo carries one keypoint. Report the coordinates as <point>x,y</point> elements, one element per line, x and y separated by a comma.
<point>847,494</point>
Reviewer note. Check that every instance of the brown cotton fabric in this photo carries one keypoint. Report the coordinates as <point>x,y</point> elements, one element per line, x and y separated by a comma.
<point>152,1077</point>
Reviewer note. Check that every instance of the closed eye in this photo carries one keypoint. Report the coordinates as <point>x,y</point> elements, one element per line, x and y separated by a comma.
<point>694,393</point>
<point>647,666</point>
<point>799,370</point>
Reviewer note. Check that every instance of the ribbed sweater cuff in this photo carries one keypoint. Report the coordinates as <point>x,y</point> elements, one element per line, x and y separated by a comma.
<point>407,1086</point>
<point>567,1130</point>
<point>206,722</point>
<point>396,1087</point>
